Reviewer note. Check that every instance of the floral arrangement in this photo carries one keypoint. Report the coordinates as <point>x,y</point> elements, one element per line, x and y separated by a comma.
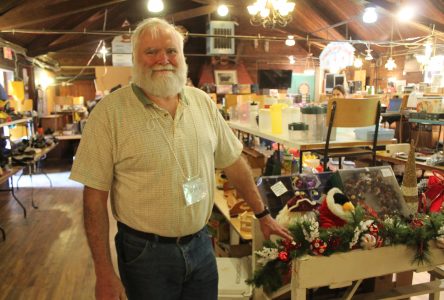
<point>364,232</point>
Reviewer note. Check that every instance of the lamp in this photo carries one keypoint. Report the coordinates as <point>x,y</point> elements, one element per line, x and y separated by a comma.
<point>309,67</point>
<point>390,64</point>
<point>370,15</point>
<point>155,6</point>
<point>291,60</point>
<point>369,55</point>
<point>222,10</point>
<point>357,63</point>
<point>271,13</point>
<point>290,41</point>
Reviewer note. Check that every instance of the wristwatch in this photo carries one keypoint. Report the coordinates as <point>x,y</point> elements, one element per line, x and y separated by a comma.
<point>262,213</point>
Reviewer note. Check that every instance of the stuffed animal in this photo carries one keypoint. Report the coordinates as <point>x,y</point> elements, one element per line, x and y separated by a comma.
<point>336,209</point>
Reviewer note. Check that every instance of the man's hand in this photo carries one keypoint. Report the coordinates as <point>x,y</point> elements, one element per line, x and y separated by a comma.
<point>270,226</point>
<point>110,288</point>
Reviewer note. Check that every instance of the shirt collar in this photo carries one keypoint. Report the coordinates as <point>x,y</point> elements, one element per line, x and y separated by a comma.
<point>146,101</point>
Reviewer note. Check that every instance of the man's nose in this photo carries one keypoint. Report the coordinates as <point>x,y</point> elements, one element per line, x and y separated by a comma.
<point>162,58</point>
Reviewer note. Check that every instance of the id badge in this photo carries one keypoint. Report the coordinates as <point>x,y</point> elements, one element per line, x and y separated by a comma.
<point>194,190</point>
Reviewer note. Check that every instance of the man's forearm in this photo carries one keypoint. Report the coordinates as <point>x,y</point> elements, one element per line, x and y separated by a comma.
<point>96,223</point>
<point>239,174</point>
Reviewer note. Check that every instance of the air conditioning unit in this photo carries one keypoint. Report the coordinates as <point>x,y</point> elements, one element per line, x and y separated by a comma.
<point>220,45</point>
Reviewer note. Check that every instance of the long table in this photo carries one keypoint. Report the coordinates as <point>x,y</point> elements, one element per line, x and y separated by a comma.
<point>345,137</point>
<point>384,156</point>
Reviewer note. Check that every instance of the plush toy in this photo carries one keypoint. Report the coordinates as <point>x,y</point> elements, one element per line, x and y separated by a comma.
<point>336,209</point>
<point>295,208</point>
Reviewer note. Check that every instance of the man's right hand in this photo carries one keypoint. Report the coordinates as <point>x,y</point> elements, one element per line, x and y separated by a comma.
<point>110,288</point>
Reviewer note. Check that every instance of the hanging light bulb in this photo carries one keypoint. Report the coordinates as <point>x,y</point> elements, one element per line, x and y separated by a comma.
<point>369,55</point>
<point>406,13</point>
<point>222,10</point>
<point>155,6</point>
<point>291,60</point>
<point>390,64</point>
<point>370,15</point>
<point>358,63</point>
<point>290,41</point>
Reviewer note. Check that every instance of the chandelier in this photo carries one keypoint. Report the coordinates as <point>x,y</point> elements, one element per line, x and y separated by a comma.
<point>271,13</point>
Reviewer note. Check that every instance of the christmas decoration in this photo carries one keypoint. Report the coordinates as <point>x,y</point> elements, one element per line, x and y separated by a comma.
<point>364,231</point>
<point>295,208</point>
<point>409,186</point>
<point>335,210</point>
<point>435,191</point>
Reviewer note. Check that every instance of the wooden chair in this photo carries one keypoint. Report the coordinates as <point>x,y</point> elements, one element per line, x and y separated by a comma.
<point>351,113</point>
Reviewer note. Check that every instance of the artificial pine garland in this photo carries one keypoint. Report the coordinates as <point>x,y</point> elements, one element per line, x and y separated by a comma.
<point>364,232</point>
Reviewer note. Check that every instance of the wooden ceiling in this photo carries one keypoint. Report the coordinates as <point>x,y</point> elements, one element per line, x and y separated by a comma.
<point>60,31</point>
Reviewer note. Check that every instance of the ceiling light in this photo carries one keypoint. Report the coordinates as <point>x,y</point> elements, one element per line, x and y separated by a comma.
<point>369,55</point>
<point>155,6</point>
<point>370,15</point>
<point>271,13</point>
<point>406,13</point>
<point>309,67</point>
<point>222,10</point>
<point>390,64</point>
<point>292,60</point>
<point>357,63</point>
<point>290,41</point>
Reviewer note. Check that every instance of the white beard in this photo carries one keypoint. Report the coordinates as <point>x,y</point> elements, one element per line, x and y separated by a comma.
<point>161,84</point>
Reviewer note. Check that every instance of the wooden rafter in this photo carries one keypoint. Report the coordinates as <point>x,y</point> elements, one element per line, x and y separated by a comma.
<point>22,16</point>
<point>421,22</point>
<point>5,6</point>
<point>191,13</point>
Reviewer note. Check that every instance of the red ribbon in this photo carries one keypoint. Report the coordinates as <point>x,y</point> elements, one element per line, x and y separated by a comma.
<point>435,190</point>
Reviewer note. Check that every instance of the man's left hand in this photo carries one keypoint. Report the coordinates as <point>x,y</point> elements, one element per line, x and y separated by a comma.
<point>270,226</point>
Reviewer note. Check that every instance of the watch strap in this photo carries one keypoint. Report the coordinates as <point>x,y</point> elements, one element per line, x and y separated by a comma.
<point>262,213</point>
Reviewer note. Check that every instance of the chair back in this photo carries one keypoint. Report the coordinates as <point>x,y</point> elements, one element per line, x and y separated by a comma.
<point>353,112</point>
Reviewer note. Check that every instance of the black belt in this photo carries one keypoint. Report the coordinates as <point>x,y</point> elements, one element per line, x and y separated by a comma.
<point>181,240</point>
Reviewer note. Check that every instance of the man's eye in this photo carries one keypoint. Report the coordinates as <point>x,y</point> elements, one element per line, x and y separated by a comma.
<point>171,51</point>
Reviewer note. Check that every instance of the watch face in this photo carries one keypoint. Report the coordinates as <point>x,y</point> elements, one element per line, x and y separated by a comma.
<point>304,89</point>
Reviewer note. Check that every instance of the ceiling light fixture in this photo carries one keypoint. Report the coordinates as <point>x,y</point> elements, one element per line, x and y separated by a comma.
<point>369,55</point>
<point>222,10</point>
<point>155,6</point>
<point>291,60</point>
<point>370,15</point>
<point>309,66</point>
<point>290,41</point>
<point>406,13</point>
<point>358,63</point>
<point>390,64</point>
<point>271,13</point>
<point>103,52</point>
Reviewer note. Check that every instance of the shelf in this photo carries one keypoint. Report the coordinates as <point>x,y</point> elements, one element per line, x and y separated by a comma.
<point>24,120</point>
<point>345,137</point>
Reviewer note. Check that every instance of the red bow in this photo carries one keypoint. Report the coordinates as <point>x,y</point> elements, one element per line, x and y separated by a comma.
<point>435,191</point>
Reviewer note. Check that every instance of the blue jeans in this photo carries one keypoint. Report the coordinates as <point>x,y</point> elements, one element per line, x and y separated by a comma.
<point>159,271</point>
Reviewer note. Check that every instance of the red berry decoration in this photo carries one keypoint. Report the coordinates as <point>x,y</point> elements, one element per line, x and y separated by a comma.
<point>373,229</point>
<point>283,256</point>
<point>318,246</point>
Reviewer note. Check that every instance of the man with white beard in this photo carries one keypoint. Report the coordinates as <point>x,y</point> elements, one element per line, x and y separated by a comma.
<point>152,147</point>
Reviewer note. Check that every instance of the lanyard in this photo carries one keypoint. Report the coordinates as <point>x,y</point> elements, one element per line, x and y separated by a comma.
<point>171,147</point>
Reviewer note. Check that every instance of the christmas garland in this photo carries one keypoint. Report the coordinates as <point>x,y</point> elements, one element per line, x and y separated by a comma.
<point>364,232</point>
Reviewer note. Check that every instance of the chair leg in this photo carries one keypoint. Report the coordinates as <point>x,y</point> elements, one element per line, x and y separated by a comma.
<point>340,162</point>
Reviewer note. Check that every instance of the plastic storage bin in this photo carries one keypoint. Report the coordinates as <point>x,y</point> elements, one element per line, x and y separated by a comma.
<point>232,275</point>
<point>367,133</point>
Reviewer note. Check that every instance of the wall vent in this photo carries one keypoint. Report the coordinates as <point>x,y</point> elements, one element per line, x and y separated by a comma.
<point>220,45</point>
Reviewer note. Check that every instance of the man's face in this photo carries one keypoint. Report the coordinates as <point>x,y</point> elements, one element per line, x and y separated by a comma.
<point>160,67</point>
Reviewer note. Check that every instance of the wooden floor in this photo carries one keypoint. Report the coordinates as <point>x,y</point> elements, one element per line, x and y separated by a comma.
<point>45,256</point>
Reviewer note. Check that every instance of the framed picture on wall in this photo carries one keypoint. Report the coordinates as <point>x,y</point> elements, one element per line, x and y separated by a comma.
<point>225,77</point>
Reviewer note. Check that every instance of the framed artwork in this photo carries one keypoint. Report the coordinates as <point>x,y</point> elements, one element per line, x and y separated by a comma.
<point>224,77</point>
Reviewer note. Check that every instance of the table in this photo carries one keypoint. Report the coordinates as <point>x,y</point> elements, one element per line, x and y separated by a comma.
<point>345,137</point>
<point>7,176</point>
<point>33,168</point>
<point>317,271</point>
<point>384,156</point>
<point>423,122</point>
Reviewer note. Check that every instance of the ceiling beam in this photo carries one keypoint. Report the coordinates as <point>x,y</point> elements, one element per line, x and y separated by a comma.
<point>191,13</point>
<point>5,6</point>
<point>420,22</point>
<point>23,16</point>
<point>87,39</point>
<point>45,41</point>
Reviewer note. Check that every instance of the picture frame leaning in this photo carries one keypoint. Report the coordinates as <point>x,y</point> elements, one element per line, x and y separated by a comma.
<point>225,77</point>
